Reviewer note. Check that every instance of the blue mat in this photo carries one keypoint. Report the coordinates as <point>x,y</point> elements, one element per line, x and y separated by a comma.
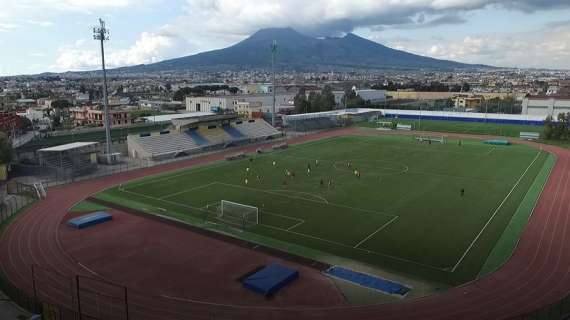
<point>368,281</point>
<point>89,219</point>
<point>270,279</point>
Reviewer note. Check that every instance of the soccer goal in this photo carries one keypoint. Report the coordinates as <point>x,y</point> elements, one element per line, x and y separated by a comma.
<point>430,139</point>
<point>238,215</point>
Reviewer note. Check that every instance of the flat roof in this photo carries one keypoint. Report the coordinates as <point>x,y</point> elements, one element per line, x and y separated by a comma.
<point>69,146</point>
<point>170,117</point>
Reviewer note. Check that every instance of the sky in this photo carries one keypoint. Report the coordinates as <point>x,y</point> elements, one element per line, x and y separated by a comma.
<point>56,35</point>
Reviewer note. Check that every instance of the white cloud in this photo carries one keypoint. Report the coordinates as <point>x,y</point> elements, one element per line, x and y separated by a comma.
<point>326,17</point>
<point>4,27</point>
<point>149,48</point>
<point>40,23</point>
<point>211,24</point>
<point>548,47</point>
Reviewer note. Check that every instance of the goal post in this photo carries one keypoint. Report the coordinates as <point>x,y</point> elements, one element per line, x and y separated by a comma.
<point>437,139</point>
<point>238,215</point>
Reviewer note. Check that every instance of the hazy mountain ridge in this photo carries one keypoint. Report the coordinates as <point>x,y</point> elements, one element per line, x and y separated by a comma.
<point>298,51</point>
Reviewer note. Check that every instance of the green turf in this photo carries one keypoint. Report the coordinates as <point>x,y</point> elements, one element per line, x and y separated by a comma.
<point>508,241</point>
<point>86,206</point>
<point>405,213</point>
<point>487,128</point>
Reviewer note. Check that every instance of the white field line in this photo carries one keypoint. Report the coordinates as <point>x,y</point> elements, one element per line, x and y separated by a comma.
<point>186,190</point>
<point>325,201</point>
<point>382,227</point>
<point>302,234</point>
<point>491,151</point>
<point>359,210</point>
<point>295,226</point>
<point>209,166</point>
<point>494,214</point>
<point>205,208</point>
<point>359,249</point>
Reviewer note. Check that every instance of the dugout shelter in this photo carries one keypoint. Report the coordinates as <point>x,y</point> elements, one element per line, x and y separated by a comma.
<point>72,159</point>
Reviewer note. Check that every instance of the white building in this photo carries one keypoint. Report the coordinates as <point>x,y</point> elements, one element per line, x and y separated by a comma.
<point>221,103</point>
<point>546,106</point>
<point>210,104</point>
<point>372,95</point>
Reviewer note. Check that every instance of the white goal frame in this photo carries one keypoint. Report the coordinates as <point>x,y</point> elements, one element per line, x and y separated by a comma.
<point>438,139</point>
<point>248,215</point>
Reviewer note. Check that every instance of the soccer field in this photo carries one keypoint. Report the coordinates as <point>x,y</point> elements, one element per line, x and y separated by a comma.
<point>405,212</point>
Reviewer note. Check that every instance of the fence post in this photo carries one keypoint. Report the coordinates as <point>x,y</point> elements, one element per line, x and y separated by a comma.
<point>126,303</point>
<point>78,299</point>
<point>34,283</point>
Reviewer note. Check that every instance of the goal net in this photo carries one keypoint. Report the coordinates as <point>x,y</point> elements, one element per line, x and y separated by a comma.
<point>430,139</point>
<point>238,215</point>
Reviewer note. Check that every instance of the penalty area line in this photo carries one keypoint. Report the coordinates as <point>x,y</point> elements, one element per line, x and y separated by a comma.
<point>382,227</point>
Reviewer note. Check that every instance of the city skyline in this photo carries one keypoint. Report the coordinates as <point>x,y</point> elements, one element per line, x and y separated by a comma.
<point>55,35</point>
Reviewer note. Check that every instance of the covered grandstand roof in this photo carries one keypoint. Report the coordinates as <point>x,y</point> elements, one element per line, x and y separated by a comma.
<point>354,111</point>
<point>69,146</point>
<point>436,114</point>
<point>182,122</point>
<point>170,117</point>
<point>470,115</point>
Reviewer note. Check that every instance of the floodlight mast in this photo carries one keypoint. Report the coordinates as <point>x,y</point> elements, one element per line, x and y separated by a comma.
<point>273,51</point>
<point>101,33</point>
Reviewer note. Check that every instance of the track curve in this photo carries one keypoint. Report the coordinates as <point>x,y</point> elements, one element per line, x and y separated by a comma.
<point>537,274</point>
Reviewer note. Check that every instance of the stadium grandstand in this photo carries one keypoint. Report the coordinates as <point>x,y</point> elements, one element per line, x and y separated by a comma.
<point>499,118</point>
<point>328,119</point>
<point>196,134</point>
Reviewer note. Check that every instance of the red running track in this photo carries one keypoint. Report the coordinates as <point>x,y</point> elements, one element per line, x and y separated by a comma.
<point>537,274</point>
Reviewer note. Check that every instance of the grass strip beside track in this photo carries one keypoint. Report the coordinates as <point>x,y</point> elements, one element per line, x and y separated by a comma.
<point>86,206</point>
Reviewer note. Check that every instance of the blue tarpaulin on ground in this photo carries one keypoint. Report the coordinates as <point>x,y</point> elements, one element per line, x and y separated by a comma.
<point>89,219</point>
<point>368,281</point>
<point>270,279</point>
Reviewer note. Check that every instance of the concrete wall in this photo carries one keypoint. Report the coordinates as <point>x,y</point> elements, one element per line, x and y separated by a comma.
<point>545,106</point>
<point>413,95</point>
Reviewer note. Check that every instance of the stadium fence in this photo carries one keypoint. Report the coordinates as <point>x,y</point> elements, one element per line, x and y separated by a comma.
<point>60,297</point>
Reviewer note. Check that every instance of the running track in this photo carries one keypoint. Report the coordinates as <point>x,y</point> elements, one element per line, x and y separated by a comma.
<point>537,274</point>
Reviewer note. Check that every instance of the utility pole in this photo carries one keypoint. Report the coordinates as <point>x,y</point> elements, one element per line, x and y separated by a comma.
<point>101,33</point>
<point>273,52</point>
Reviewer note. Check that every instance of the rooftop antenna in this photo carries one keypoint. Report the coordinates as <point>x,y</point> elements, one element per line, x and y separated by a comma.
<point>273,52</point>
<point>101,33</point>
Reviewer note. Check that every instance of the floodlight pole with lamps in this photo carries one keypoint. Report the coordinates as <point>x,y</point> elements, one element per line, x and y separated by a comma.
<point>101,33</point>
<point>273,51</point>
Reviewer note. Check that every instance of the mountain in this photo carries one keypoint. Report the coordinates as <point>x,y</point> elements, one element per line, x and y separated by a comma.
<point>299,51</point>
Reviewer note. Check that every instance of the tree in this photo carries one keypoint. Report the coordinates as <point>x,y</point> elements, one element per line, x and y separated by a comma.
<point>352,100</point>
<point>6,152</point>
<point>58,108</point>
<point>548,132</point>
<point>301,102</point>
